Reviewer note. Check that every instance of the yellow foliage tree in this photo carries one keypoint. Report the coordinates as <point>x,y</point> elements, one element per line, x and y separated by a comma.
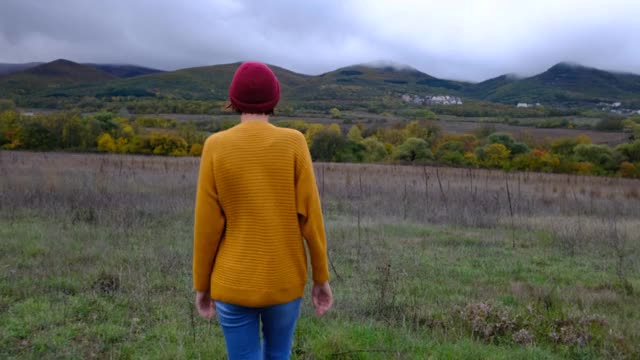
<point>583,168</point>
<point>106,143</point>
<point>413,129</point>
<point>469,142</point>
<point>122,145</point>
<point>196,150</point>
<point>628,170</point>
<point>355,134</point>
<point>166,144</point>
<point>496,155</point>
<point>470,159</point>
<point>127,131</point>
<point>312,129</point>
<point>335,128</point>
<point>392,136</point>
<point>583,139</point>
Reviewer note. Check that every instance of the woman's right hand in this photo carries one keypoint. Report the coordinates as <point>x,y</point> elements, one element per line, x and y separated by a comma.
<point>205,305</point>
<point>322,298</point>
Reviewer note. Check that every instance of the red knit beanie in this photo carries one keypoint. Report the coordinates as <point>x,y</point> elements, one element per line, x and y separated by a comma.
<point>254,89</point>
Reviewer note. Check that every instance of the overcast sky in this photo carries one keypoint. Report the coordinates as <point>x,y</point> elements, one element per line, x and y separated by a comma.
<point>455,39</point>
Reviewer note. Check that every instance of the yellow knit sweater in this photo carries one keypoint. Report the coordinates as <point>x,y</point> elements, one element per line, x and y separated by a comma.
<point>256,200</point>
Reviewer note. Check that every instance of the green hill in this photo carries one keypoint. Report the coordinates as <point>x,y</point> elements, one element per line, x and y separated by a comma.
<point>488,87</point>
<point>199,83</point>
<point>124,71</point>
<point>359,85</point>
<point>364,83</point>
<point>564,84</point>
<point>49,78</point>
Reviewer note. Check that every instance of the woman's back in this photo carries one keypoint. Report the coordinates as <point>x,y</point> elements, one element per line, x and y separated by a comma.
<point>261,260</point>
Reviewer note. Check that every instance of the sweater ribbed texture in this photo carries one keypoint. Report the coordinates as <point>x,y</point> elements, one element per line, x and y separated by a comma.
<point>256,200</point>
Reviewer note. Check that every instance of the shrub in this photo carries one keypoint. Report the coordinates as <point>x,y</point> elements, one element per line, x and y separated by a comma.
<point>413,149</point>
<point>553,123</point>
<point>374,150</point>
<point>196,150</point>
<point>610,124</point>
<point>493,155</point>
<point>628,170</point>
<point>325,145</point>
<point>505,139</point>
<point>166,144</point>
<point>484,131</point>
<point>350,151</point>
<point>106,143</point>
<point>600,155</point>
<point>34,135</point>
<point>584,168</point>
<point>630,150</point>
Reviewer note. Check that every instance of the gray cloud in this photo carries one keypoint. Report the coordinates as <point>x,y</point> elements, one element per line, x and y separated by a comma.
<point>469,40</point>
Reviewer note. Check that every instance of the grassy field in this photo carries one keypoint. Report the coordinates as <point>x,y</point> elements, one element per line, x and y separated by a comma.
<point>426,263</point>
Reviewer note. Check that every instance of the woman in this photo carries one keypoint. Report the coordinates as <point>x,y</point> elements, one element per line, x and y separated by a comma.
<point>256,199</point>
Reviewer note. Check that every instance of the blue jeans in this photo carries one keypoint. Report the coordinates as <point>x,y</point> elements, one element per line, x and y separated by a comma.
<point>241,328</point>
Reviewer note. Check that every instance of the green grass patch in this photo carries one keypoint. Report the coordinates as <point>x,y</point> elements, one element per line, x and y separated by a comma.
<point>79,290</point>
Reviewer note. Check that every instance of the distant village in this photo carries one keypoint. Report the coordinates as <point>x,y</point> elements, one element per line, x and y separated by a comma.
<point>617,108</point>
<point>526,105</point>
<point>614,107</point>
<point>432,100</point>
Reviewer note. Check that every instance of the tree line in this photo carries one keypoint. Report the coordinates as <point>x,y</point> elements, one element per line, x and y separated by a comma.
<point>413,142</point>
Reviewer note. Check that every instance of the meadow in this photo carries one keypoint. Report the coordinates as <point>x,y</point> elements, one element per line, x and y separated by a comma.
<point>426,262</point>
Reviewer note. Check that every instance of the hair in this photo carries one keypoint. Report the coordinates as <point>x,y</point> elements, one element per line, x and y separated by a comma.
<point>237,111</point>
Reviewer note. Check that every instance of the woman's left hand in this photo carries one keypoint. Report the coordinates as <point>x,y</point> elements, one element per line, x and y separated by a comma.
<point>205,305</point>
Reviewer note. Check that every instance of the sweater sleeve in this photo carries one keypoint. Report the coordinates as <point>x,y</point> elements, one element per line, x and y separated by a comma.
<point>310,213</point>
<point>209,222</point>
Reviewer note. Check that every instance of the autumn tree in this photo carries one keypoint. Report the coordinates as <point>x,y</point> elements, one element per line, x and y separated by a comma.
<point>34,135</point>
<point>392,136</point>
<point>413,149</point>
<point>195,150</point>
<point>325,144</point>
<point>355,134</point>
<point>515,147</point>
<point>9,130</point>
<point>106,143</point>
<point>493,155</point>
<point>599,155</point>
<point>629,170</point>
<point>75,133</point>
<point>631,151</point>
<point>632,125</point>
<point>190,133</point>
<point>450,152</point>
<point>335,128</point>
<point>350,151</point>
<point>537,160</point>
<point>311,131</point>
<point>426,114</point>
<point>374,150</point>
<point>167,144</point>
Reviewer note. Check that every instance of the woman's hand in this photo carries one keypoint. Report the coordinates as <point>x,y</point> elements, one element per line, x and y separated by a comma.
<point>205,305</point>
<point>322,298</point>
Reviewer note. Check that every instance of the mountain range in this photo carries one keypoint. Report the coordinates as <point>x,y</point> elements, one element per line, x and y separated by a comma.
<point>564,84</point>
